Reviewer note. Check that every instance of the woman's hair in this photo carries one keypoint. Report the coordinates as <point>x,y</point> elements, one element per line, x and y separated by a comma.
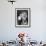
<point>21,11</point>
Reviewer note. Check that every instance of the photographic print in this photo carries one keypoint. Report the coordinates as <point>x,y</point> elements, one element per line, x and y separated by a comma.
<point>22,17</point>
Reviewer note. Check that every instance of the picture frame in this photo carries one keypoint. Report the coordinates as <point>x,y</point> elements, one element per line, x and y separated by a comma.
<point>23,17</point>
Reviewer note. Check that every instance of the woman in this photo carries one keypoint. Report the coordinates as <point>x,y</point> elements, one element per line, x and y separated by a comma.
<point>23,18</point>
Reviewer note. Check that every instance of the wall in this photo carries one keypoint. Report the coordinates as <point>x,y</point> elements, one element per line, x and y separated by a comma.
<point>8,31</point>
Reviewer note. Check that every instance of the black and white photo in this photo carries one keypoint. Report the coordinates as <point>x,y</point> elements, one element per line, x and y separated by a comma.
<point>22,17</point>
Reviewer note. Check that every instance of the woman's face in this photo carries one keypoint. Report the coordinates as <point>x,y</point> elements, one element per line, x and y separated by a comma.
<point>24,15</point>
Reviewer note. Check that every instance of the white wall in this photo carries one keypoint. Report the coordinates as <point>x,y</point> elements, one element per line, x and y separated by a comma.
<point>8,31</point>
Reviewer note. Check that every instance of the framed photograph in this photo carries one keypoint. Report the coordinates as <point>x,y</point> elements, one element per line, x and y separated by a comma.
<point>22,17</point>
